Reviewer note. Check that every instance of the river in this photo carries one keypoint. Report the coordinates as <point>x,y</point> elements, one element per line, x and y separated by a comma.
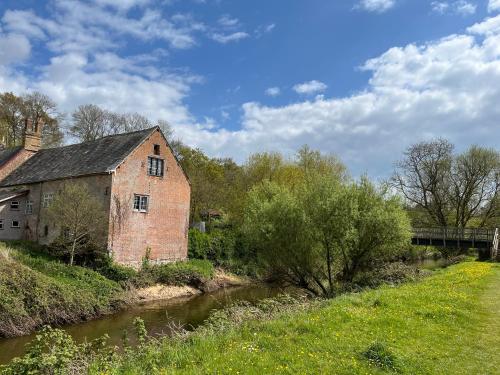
<point>189,312</point>
<point>157,316</point>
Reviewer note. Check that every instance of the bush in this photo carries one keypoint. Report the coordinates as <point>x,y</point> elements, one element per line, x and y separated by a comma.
<point>217,245</point>
<point>390,273</point>
<point>193,272</point>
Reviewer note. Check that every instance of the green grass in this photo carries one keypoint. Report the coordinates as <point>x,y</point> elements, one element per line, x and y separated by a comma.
<point>448,323</point>
<point>36,289</point>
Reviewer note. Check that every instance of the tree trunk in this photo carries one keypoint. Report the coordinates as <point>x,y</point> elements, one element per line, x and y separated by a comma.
<point>72,254</point>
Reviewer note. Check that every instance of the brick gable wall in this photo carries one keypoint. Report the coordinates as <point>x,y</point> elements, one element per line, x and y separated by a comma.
<point>164,228</point>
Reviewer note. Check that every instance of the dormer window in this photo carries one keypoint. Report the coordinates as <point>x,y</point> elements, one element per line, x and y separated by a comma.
<point>155,166</point>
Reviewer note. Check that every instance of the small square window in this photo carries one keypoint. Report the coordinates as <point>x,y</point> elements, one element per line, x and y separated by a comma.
<point>29,207</point>
<point>1,224</point>
<point>141,203</point>
<point>15,224</point>
<point>14,205</point>
<point>156,149</point>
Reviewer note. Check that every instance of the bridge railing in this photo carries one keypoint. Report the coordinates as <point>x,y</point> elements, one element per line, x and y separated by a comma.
<point>461,234</point>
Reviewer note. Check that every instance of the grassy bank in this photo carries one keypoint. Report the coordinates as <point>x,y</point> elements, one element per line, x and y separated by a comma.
<point>447,323</point>
<point>36,289</point>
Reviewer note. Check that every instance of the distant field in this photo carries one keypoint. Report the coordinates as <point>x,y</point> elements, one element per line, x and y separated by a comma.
<point>448,323</point>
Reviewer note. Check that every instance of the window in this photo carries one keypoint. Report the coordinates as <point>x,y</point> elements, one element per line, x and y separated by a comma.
<point>29,207</point>
<point>141,203</point>
<point>15,224</point>
<point>106,191</point>
<point>14,205</point>
<point>47,199</point>
<point>46,230</point>
<point>157,149</point>
<point>1,224</point>
<point>155,167</point>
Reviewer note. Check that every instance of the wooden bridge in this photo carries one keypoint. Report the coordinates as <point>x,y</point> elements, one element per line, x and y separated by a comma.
<point>478,238</point>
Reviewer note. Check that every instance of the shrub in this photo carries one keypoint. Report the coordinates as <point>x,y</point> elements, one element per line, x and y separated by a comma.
<point>391,273</point>
<point>193,272</point>
<point>217,245</point>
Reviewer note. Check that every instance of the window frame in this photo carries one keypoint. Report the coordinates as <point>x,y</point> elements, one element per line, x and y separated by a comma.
<point>156,166</point>
<point>1,224</point>
<point>156,149</point>
<point>29,204</point>
<point>47,199</point>
<point>14,226</point>
<point>141,203</point>
<point>17,204</point>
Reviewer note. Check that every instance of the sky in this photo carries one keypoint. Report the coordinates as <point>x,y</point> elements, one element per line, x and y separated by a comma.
<point>362,79</point>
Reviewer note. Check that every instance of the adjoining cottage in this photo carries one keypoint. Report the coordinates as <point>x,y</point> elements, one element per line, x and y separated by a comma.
<point>143,190</point>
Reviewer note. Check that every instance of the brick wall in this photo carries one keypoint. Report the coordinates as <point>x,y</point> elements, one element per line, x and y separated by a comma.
<point>15,161</point>
<point>164,228</point>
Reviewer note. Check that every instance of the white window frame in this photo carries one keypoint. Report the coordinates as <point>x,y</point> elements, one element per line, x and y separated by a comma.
<point>14,205</point>
<point>47,199</point>
<point>156,166</point>
<point>141,203</point>
<point>1,224</point>
<point>29,208</point>
<point>15,226</point>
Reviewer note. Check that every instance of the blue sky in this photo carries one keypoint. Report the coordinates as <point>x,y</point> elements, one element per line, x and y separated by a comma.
<point>358,78</point>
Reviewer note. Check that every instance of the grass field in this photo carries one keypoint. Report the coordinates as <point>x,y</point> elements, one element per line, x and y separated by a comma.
<point>448,323</point>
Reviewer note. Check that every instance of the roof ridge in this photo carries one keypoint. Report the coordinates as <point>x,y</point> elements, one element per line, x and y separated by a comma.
<point>148,130</point>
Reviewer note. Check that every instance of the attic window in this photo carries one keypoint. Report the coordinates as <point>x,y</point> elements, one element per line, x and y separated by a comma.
<point>14,205</point>
<point>155,167</point>
<point>157,149</point>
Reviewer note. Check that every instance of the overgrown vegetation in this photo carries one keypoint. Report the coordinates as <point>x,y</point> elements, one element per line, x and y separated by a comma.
<point>450,326</point>
<point>36,289</point>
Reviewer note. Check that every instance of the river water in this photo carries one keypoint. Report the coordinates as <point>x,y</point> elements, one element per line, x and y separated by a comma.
<point>157,316</point>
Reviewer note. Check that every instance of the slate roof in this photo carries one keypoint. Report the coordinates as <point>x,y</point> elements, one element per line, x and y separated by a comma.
<point>5,155</point>
<point>95,157</point>
<point>7,195</point>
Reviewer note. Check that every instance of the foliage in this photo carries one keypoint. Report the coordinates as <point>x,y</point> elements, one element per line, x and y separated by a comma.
<point>80,218</point>
<point>218,245</point>
<point>15,109</point>
<point>192,272</point>
<point>324,231</point>
<point>36,289</point>
<point>389,273</point>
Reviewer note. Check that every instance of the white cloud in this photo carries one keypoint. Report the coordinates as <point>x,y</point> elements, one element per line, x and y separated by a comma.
<point>231,37</point>
<point>310,87</point>
<point>493,5</point>
<point>264,29</point>
<point>123,5</point>
<point>378,6</point>
<point>13,48</point>
<point>461,7</point>
<point>227,21</point>
<point>273,91</point>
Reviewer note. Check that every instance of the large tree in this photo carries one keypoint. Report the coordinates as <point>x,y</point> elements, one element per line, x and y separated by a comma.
<point>451,189</point>
<point>324,231</point>
<point>15,109</point>
<point>80,218</point>
<point>91,122</point>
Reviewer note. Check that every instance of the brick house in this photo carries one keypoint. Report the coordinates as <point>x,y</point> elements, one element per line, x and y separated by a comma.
<point>142,188</point>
